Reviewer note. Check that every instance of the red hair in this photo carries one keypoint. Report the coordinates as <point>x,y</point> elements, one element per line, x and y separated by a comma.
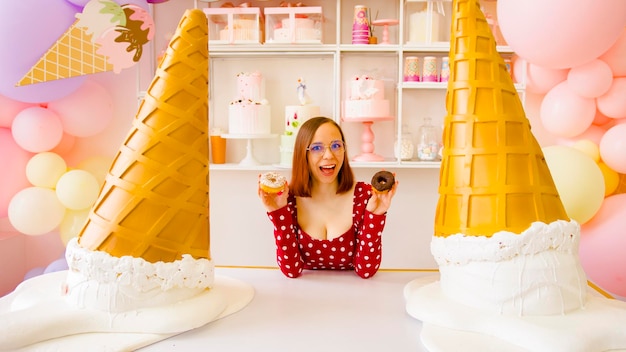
<point>301,181</point>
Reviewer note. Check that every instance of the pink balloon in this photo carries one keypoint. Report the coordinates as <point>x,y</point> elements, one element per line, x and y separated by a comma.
<point>65,145</point>
<point>86,112</point>
<point>613,148</point>
<point>538,79</point>
<point>8,109</point>
<point>615,56</point>
<point>593,133</point>
<point>590,80</point>
<point>21,49</point>
<point>600,119</point>
<point>37,129</point>
<point>565,113</point>
<point>612,103</point>
<point>13,177</point>
<point>603,245</point>
<point>559,33</point>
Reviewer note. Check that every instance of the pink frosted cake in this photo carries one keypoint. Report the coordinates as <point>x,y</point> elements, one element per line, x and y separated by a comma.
<point>249,113</point>
<point>365,99</point>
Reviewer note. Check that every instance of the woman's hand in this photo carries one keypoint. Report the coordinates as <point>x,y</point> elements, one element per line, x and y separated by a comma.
<point>379,203</point>
<point>273,201</point>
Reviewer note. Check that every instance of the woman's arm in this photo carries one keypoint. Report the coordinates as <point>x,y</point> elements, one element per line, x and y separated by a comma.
<point>288,254</point>
<point>369,234</point>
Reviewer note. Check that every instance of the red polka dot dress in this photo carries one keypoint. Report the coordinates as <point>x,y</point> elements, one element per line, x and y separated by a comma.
<point>360,248</point>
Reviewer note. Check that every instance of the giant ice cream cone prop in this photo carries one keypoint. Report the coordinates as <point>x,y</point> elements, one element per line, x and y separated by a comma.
<point>154,202</point>
<point>141,268</point>
<point>506,249</point>
<point>493,173</point>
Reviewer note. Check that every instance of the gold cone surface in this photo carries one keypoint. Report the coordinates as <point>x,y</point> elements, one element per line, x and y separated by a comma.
<point>493,173</point>
<point>72,55</point>
<point>154,203</point>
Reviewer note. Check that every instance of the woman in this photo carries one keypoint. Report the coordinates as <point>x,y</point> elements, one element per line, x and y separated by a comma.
<point>325,219</point>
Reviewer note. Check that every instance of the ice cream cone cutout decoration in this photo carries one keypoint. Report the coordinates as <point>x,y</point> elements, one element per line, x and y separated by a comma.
<point>507,251</point>
<point>141,266</point>
<point>493,173</point>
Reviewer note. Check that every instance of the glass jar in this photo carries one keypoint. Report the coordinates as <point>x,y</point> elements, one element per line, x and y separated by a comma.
<point>404,148</point>
<point>428,141</point>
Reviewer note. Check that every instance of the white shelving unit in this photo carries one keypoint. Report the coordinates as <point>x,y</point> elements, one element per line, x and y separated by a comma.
<point>326,67</point>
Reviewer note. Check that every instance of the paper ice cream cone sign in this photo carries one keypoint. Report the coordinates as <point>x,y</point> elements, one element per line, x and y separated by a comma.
<point>105,37</point>
<point>154,201</point>
<point>493,173</point>
<point>74,54</point>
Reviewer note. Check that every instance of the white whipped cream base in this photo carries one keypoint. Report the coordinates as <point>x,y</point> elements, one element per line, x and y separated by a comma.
<point>100,281</point>
<point>537,272</point>
<point>526,291</point>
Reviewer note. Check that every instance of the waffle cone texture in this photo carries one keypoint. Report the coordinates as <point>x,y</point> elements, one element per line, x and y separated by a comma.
<point>494,176</point>
<point>154,203</point>
<point>73,55</point>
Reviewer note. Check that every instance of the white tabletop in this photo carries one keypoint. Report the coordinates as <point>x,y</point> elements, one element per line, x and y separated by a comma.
<point>322,311</point>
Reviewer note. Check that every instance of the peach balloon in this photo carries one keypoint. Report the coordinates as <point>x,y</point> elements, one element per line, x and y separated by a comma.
<point>603,245</point>
<point>37,129</point>
<point>9,108</point>
<point>590,80</point>
<point>538,79</point>
<point>86,112</point>
<point>612,103</point>
<point>558,34</point>
<point>13,160</point>
<point>613,148</point>
<point>565,113</point>
<point>614,57</point>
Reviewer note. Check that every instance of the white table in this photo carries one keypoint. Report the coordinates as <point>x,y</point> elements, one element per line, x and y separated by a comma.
<point>322,311</point>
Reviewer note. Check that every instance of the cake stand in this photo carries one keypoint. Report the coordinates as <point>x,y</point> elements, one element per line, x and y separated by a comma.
<point>385,23</point>
<point>367,147</point>
<point>249,159</point>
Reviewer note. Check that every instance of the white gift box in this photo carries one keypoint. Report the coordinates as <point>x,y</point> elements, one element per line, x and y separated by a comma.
<point>234,25</point>
<point>293,25</point>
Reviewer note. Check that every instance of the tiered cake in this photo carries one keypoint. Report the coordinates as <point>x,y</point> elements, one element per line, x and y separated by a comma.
<point>365,99</point>
<point>510,275</point>
<point>249,113</point>
<point>295,116</point>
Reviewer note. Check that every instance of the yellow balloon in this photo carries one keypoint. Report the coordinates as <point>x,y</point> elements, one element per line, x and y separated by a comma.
<point>77,189</point>
<point>578,179</point>
<point>72,224</point>
<point>45,169</point>
<point>588,147</point>
<point>611,179</point>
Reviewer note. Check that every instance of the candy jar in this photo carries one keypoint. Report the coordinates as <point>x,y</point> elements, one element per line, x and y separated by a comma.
<point>404,147</point>
<point>428,141</point>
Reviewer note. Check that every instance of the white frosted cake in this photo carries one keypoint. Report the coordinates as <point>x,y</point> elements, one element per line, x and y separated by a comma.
<point>249,113</point>
<point>292,30</point>
<point>365,99</point>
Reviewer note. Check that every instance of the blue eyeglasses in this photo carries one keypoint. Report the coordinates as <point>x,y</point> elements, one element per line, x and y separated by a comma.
<point>336,147</point>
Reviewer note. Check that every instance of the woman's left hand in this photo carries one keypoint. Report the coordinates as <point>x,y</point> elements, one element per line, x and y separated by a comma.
<point>379,203</point>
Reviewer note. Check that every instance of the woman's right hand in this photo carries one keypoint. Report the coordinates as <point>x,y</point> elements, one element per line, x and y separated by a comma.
<point>273,201</point>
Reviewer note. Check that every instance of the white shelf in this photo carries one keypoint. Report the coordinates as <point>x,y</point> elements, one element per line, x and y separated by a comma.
<point>329,64</point>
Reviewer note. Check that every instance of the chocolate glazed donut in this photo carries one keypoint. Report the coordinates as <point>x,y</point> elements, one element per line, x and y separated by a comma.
<point>382,181</point>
